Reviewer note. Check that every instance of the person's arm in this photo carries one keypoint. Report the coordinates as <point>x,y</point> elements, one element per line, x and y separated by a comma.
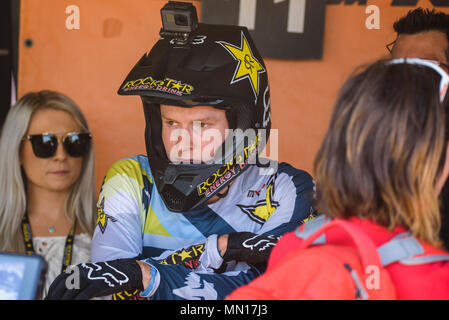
<point>294,194</point>
<point>176,282</point>
<point>146,273</point>
<point>118,233</point>
<point>149,278</point>
<point>296,207</point>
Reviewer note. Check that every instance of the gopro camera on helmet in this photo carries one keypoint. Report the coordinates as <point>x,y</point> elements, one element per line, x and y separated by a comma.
<point>179,20</point>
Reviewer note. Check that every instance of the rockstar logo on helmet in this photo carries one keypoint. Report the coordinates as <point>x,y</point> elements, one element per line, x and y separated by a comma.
<point>247,65</point>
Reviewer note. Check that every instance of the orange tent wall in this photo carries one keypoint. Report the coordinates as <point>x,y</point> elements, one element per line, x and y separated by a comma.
<point>89,65</point>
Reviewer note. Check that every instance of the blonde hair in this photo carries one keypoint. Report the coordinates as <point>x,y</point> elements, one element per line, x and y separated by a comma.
<point>80,203</point>
<point>384,149</point>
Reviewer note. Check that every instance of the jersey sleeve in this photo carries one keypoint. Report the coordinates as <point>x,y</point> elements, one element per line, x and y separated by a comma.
<point>176,282</point>
<point>295,191</point>
<point>118,233</point>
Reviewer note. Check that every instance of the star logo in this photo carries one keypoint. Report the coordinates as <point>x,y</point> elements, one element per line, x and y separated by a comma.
<point>176,85</point>
<point>184,255</point>
<point>103,218</point>
<point>188,257</point>
<point>247,65</point>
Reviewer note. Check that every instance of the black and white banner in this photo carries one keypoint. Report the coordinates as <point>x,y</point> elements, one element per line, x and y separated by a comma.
<point>284,29</point>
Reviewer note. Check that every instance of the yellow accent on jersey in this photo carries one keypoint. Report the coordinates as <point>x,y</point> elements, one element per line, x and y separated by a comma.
<point>130,168</point>
<point>152,225</point>
<point>266,210</point>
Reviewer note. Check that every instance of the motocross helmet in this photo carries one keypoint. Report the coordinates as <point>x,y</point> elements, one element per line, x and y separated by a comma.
<point>211,65</point>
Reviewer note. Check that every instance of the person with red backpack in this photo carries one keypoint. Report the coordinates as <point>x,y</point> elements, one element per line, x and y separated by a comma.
<point>379,171</point>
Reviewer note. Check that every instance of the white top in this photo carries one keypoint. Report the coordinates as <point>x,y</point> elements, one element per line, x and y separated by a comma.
<point>52,250</point>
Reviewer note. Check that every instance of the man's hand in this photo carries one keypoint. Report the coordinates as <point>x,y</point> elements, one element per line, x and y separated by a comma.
<point>251,248</point>
<point>88,280</point>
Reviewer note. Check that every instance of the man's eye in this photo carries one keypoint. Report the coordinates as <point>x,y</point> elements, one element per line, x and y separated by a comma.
<point>170,123</point>
<point>204,125</point>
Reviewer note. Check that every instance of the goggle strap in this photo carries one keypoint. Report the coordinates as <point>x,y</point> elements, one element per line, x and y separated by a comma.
<point>444,82</point>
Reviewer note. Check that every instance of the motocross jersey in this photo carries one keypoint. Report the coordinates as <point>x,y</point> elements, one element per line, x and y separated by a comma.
<point>182,247</point>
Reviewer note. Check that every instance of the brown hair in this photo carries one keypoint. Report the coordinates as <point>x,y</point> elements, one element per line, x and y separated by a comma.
<point>383,150</point>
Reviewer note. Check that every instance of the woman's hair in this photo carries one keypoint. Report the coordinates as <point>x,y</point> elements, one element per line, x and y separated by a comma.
<point>385,149</point>
<point>80,202</point>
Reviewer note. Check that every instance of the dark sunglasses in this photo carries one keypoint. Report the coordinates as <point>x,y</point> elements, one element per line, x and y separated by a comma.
<point>45,145</point>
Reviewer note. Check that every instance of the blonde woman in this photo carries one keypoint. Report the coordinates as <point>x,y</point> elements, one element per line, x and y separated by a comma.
<point>47,189</point>
<point>379,171</point>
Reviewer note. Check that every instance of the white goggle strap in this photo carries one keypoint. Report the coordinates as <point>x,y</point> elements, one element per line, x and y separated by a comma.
<point>444,82</point>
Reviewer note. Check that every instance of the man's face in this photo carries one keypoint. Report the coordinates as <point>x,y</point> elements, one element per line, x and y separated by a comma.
<point>431,45</point>
<point>192,134</point>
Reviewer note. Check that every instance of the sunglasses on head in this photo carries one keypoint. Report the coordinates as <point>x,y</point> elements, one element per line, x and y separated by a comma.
<point>435,65</point>
<point>45,145</point>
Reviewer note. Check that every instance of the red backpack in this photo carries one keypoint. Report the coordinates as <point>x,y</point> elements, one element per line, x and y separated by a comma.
<point>318,269</point>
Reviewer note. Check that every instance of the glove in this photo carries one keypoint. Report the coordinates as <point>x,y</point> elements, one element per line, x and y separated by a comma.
<point>88,280</point>
<point>251,248</point>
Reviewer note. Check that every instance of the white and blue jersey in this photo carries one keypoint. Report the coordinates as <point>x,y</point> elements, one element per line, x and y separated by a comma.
<point>133,221</point>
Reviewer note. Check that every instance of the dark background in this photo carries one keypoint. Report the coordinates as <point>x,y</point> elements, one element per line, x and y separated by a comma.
<point>9,26</point>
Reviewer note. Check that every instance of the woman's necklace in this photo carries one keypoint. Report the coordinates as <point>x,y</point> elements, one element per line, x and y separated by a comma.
<point>51,228</point>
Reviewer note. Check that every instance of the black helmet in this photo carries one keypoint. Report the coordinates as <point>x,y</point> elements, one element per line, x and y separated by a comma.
<point>217,66</point>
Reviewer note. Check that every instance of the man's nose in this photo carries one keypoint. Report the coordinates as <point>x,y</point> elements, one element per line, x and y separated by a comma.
<point>196,134</point>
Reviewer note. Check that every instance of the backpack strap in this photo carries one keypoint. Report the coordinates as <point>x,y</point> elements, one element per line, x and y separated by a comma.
<point>365,246</point>
<point>404,248</point>
<point>425,259</point>
<point>310,227</point>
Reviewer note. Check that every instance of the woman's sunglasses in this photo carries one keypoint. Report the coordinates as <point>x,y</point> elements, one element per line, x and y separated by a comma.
<point>45,145</point>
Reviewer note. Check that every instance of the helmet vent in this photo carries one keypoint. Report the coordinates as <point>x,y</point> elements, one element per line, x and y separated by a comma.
<point>173,198</point>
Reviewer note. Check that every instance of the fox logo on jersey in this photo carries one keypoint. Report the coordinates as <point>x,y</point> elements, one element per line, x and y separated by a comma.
<point>196,289</point>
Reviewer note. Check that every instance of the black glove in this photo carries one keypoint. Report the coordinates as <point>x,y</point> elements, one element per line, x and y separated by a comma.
<point>87,280</point>
<point>249,247</point>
